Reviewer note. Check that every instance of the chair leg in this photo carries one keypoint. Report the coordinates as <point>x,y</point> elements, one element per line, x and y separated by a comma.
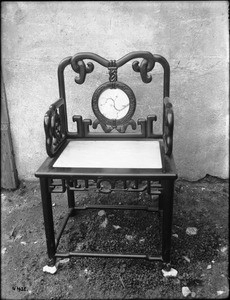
<point>48,218</point>
<point>167,205</point>
<point>70,195</point>
<point>160,202</point>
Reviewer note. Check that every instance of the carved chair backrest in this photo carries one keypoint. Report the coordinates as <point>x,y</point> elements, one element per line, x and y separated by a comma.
<point>117,95</point>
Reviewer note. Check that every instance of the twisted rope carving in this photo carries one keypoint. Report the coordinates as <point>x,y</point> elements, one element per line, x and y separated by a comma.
<point>112,71</point>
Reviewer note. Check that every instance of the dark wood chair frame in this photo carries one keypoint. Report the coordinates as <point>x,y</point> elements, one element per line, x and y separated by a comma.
<point>60,180</point>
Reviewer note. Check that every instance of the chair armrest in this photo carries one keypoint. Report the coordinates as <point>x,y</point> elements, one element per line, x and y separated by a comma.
<point>168,124</point>
<point>54,125</point>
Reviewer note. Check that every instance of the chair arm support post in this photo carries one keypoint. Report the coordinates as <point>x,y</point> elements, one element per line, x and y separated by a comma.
<point>168,124</point>
<point>54,126</point>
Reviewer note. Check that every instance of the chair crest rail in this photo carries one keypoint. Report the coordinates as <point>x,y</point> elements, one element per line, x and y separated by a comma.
<point>77,63</point>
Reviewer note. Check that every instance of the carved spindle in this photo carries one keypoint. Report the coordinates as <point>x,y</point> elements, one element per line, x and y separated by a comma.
<point>80,127</point>
<point>112,71</point>
<point>150,120</point>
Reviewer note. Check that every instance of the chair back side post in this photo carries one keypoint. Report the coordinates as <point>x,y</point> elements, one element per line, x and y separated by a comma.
<point>61,84</point>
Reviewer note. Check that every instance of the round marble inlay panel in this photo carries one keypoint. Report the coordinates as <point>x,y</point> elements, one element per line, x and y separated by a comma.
<point>113,103</point>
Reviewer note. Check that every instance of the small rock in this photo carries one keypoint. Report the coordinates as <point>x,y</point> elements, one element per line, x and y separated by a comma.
<point>101,213</point>
<point>129,237</point>
<point>116,227</point>
<point>191,230</point>
<point>79,246</point>
<point>171,273</point>
<point>54,204</point>
<point>122,268</point>
<point>177,281</point>
<point>3,251</point>
<point>202,188</point>
<point>13,232</point>
<point>223,249</point>
<point>193,294</point>
<point>220,293</point>
<point>186,258</point>
<point>23,243</point>
<point>105,223</point>
<point>64,261</point>
<point>175,235</point>
<point>35,242</point>
<point>51,270</point>
<point>185,291</point>
<point>87,272</point>
<point>141,240</point>
<point>209,267</point>
<point>18,236</point>
<point>3,197</point>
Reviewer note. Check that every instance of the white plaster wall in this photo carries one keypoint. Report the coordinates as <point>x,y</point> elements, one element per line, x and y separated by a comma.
<point>192,36</point>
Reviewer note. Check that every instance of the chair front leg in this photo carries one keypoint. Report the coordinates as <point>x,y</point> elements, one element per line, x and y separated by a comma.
<point>167,205</point>
<point>70,195</point>
<point>48,218</point>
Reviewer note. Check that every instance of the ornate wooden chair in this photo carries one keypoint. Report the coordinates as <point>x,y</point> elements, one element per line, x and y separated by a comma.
<point>114,155</point>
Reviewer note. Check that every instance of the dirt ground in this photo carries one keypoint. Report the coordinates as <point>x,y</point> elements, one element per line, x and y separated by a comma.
<point>200,259</point>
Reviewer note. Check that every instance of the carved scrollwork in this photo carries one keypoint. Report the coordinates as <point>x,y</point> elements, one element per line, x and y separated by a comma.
<point>105,186</point>
<point>168,126</point>
<point>143,69</point>
<point>80,68</point>
<point>108,185</point>
<point>121,129</point>
<point>107,129</point>
<point>54,128</point>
